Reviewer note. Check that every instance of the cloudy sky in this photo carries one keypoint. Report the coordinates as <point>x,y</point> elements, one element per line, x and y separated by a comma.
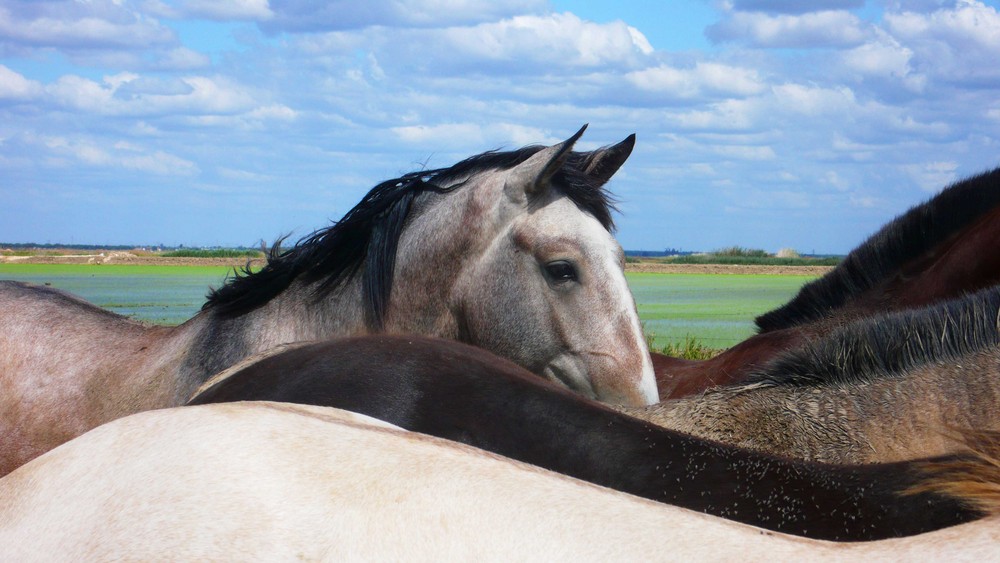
<point>760,123</point>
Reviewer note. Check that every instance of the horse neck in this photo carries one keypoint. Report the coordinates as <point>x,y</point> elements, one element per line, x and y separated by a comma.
<point>295,315</point>
<point>443,233</point>
<point>443,236</point>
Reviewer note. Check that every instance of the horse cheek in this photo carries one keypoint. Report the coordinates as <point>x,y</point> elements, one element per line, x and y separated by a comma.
<point>503,314</point>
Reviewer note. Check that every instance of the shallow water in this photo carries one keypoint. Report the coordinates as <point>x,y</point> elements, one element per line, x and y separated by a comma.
<point>716,309</point>
<point>166,295</point>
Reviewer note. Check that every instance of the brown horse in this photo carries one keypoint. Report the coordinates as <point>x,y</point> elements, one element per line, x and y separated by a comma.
<point>883,388</point>
<point>451,390</point>
<point>936,251</point>
<point>268,481</point>
<point>510,251</point>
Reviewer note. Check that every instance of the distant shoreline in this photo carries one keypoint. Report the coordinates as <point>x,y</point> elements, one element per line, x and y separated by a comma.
<point>745,269</point>
<point>126,258</point>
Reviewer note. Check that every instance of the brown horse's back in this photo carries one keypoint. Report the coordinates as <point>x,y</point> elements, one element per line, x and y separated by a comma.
<point>62,363</point>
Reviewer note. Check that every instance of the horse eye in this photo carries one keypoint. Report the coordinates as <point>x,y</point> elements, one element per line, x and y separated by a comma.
<point>561,271</point>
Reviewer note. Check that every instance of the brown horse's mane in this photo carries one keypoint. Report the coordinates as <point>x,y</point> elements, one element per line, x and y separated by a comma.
<point>889,345</point>
<point>369,234</point>
<point>903,239</point>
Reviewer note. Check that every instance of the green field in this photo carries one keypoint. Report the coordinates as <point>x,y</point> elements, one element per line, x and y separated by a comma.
<point>716,310</point>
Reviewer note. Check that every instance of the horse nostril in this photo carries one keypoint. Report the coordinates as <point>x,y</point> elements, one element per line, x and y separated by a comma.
<point>625,380</point>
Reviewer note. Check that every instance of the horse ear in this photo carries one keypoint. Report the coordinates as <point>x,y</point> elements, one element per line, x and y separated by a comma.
<point>530,178</point>
<point>602,164</point>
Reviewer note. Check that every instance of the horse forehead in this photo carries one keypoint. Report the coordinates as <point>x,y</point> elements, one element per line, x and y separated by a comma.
<point>561,222</point>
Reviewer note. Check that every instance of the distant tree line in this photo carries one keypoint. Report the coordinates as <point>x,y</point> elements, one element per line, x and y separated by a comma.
<point>733,255</point>
<point>123,247</point>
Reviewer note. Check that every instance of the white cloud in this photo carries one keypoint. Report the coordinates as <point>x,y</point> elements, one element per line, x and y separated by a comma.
<point>970,23</point>
<point>338,15</point>
<point>640,41</point>
<point>705,78</point>
<point>123,155</point>
<point>182,58</point>
<point>453,133</point>
<point>523,45</point>
<point>243,175</point>
<point>932,176</point>
<point>257,10</point>
<point>815,29</point>
<point>863,201</point>
<point>883,57</point>
<point>14,86</point>
<point>131,94</point>
<point>159,162</point>
<point>745,152</point>
<point>834,179</point>
<point>813,100</point>
<point>728,115</point>
<point>556,39</point>
<point>274,111</point>
<point>794,6</point>
<point>459,136</point>
<point>80,93</point>
<point>956,44</point>
<point>96,24</point>
<point>855,150</point>
<point>517,135</point>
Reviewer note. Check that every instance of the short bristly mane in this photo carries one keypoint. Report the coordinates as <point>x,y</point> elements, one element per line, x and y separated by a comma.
<point>369,233</point>
<point>903,239</point>
<point>891,344</point>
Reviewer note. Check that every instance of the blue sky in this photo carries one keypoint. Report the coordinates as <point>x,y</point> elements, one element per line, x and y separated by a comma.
<point>760,123</point>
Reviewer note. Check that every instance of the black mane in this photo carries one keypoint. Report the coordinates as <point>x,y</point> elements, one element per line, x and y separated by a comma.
<point>905,238</point>
<point>369,234</point>
<point>891,344</point>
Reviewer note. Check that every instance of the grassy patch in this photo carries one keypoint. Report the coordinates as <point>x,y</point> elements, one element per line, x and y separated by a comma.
<point>109,270</point>
<point>739,252</point>
<point>744,260</point>
<point>32,253</point>
<point>216,253</point>
<point>690,348</point>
